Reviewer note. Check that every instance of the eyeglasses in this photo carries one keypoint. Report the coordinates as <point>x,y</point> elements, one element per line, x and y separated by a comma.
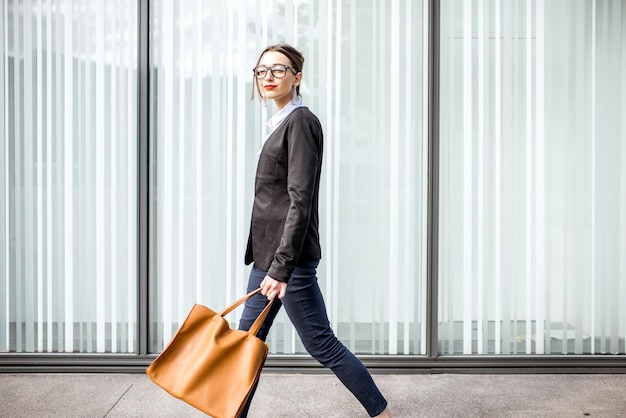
<point>277,70</point>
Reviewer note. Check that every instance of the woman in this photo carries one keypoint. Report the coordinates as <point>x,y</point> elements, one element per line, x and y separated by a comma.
<point>284,240</point>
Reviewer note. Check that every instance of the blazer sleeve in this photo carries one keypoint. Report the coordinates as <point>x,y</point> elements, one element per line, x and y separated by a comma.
<point>304,149</point>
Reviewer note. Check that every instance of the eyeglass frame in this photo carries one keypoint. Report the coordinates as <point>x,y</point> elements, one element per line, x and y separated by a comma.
<point>269,69</point>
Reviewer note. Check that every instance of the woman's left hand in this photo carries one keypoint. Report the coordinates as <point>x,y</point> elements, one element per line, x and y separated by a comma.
<point>271,288</point>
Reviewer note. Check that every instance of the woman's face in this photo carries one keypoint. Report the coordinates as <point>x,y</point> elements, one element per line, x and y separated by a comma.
<point>278,89</point>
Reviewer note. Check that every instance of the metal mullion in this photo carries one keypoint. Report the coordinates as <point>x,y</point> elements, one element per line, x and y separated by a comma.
<point>433,181</point>
<point>143,121</point>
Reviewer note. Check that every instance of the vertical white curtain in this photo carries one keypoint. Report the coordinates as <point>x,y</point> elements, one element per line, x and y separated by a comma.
<point>364,76</point>
<point>532,185</point>
<point>68,177</point>
<point>533,191</point>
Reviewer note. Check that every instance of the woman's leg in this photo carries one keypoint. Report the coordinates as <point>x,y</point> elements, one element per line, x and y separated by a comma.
<point>251,311</point>
<point>306,309</point>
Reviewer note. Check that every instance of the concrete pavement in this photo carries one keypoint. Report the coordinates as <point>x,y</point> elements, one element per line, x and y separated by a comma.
<point>294,395</point>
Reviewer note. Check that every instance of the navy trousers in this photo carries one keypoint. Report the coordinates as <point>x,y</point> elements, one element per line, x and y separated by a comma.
<point>305,307</point>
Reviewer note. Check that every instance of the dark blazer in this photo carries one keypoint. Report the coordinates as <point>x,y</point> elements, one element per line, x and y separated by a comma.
<point>284,230</point>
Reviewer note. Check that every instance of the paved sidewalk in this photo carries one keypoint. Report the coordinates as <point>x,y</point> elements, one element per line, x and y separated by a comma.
<point>292,395</point>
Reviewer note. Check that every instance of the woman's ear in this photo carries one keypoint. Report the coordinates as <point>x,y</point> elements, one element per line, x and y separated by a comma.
<point>297,80</point>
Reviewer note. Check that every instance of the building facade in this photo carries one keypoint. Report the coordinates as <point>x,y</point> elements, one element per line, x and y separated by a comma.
<point>473,198</point>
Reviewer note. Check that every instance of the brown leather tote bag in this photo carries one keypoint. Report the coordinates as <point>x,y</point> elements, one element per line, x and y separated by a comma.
<point>209,365</point>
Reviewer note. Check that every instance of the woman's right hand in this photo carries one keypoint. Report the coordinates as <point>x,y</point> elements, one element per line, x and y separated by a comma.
<point>271,288</point>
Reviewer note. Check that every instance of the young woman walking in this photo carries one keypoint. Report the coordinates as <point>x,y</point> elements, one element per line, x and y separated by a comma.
<point>284,242</point>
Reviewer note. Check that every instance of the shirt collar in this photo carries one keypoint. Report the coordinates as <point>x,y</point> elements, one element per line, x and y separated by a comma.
<point>280,116</point>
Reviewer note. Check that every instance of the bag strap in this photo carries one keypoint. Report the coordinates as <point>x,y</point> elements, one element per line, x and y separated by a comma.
<point>256,326</point>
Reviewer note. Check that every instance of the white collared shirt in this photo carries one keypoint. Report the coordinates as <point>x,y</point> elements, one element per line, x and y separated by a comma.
<point>280,116</point>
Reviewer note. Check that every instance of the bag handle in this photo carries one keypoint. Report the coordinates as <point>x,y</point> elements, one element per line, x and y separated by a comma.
<point>256,326</point>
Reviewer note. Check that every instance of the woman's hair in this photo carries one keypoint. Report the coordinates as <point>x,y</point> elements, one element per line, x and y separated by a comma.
<point>295,56</point>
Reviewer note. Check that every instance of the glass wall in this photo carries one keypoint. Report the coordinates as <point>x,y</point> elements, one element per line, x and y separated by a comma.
<point>532,185</point>
<point>68,177</point>
<point>364,76</point>
<point>532,177</point>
